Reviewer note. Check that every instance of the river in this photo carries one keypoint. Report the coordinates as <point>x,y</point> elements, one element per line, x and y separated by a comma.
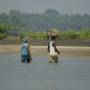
<point>71,73</point>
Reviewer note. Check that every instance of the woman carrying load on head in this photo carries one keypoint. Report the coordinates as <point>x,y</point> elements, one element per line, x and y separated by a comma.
<point>52,49</point>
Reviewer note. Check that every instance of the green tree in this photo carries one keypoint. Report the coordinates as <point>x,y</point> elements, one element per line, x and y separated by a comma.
<point>3,31</point>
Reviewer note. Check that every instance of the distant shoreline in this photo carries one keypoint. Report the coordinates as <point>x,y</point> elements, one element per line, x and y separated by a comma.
<point>35,42</point>
<point>42,50</point>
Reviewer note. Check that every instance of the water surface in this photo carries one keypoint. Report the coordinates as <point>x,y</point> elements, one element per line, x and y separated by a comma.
<point>71,73</point>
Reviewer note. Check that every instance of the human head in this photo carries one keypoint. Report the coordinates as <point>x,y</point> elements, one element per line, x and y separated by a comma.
<point>25,41</point>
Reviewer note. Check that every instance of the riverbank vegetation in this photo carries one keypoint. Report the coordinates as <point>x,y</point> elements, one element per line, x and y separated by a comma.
<point>83,34</point>
<point>67,35</point>
<point>70,27</point>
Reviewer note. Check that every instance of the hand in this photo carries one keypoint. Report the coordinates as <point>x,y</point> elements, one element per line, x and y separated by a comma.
<point>31,58</point>
<point>58,52</point>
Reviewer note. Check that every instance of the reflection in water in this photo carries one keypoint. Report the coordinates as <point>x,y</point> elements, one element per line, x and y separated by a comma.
<point>71,73</point>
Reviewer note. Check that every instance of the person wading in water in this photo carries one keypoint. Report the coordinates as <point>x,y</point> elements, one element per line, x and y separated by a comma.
<point>25,52</point>
<point>52,49</point>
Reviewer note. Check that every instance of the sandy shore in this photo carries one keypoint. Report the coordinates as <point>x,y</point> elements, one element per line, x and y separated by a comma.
<point>42,50</point>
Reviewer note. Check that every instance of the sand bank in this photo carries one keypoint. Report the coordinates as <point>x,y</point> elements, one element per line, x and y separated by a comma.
<point>42,50</point>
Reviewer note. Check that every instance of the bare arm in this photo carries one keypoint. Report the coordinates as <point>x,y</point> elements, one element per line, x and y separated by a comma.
<point>29,50</point>
<point>48,47</point>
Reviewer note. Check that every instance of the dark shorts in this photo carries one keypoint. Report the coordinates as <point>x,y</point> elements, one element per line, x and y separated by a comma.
<point>25,58</point>
<point>54,58</point>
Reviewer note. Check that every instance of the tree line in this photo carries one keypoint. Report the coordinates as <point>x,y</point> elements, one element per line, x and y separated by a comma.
<point>41,22</point>
<point>35,26</point>
<point>64,35</point>
<point>67,35</point>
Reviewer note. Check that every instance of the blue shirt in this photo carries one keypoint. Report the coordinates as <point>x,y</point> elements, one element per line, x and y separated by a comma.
<point>24,49</point>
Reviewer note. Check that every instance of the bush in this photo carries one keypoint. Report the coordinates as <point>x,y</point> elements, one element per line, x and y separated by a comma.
<point>2,36</point>
<point>71,34</point>
<point>68,35</point>
<point>3,31</point>
<point>3,28</point>
<point>84,34</point>
<point>34,35</point>
<point>22,35</point>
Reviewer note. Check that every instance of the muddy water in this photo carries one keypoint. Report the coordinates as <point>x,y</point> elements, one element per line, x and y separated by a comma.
<point>71,73</point>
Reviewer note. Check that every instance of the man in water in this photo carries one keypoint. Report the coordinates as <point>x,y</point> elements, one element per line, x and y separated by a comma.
<point>25,52</point>
<point>53,51</point>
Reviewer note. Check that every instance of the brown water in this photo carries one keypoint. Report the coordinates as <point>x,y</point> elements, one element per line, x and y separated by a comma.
<point>71,73</point>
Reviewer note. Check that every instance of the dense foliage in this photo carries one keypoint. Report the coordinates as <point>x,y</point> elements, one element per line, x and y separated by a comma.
<point>41,22</point>
<point>3,31</point>
<point>35,26</point>
<point>64,35</point>
<point>70,34</point>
